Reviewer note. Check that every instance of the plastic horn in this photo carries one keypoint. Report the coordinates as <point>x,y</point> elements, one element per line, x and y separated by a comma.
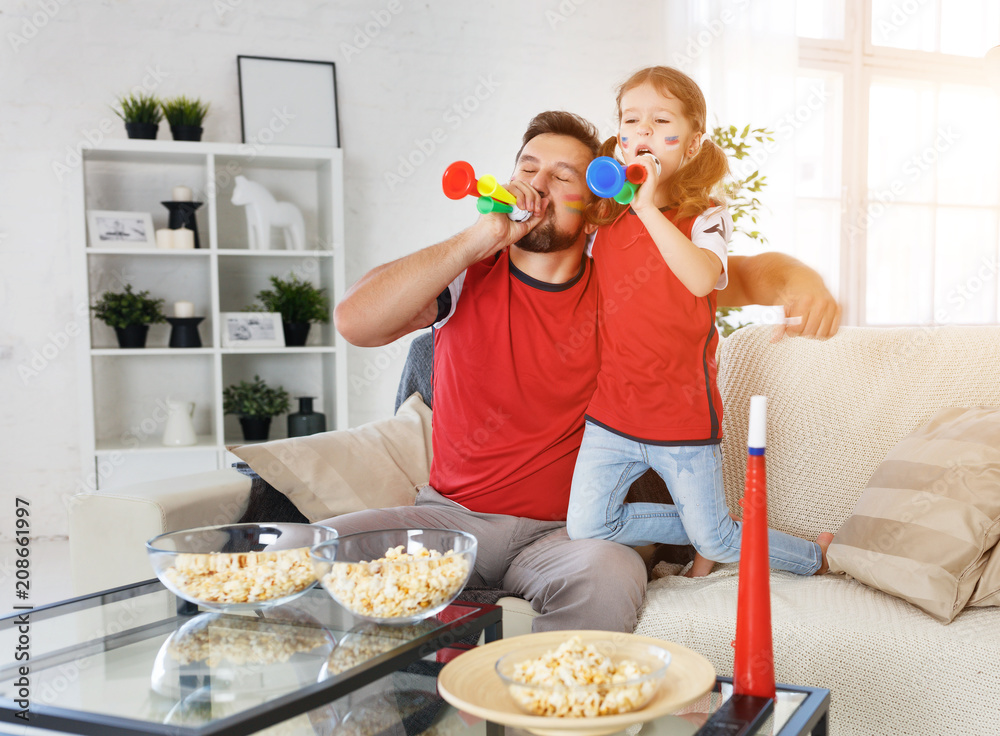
<point>605,177</point>
<point>627,194</point>
<point>753,668</point>
<point>486,205</point>
<point>459,181</point>
<point>490,187</point>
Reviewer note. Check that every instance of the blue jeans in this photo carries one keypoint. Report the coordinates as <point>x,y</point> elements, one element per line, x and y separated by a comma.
<point>608,464</point>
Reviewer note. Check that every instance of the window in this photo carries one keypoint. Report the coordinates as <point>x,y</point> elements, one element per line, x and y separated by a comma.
<point>904,157</point>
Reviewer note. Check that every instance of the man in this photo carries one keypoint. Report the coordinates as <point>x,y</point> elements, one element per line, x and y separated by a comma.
<point>515,363</point>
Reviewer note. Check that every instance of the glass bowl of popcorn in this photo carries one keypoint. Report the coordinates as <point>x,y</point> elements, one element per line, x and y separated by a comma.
<point>238,567</point>
<point>395,576</point>
<point>580,679</point>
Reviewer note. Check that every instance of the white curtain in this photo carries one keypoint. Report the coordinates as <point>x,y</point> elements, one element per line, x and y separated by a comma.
<point>743,54</point>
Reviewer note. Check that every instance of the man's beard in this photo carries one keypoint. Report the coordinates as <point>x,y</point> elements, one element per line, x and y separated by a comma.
<point>545,238</point>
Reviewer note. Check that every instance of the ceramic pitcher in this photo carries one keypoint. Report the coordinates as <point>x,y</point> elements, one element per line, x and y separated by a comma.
<point>179,431</point>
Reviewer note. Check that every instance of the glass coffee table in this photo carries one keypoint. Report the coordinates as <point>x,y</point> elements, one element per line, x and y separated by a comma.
<point>131,661</point>
<point>138,660</point>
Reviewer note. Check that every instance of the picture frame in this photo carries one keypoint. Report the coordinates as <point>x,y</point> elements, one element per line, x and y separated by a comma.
<point>251,330</point>
<point>288,101</point>
<point>116,229</point>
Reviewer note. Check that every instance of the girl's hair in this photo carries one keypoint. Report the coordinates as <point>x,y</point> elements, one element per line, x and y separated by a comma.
<point>694,187</point>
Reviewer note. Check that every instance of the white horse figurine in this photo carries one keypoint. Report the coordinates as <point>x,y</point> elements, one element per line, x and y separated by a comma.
<point>264,212</point>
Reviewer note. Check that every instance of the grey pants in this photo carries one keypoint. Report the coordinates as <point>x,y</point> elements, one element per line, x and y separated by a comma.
<point>572,584</point>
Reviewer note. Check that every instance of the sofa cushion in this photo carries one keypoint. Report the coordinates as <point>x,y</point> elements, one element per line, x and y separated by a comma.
<point>376,465</point>
<point>923,527</point>
<point>836,407</point>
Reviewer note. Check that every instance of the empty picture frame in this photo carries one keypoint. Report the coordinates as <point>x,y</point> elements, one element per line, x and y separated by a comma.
<point>288,101</point>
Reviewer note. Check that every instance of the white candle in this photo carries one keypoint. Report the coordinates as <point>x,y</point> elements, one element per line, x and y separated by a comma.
<point>184,309</point>
<point>184,238</point>
<point>182,194</point>
<point>164,238</point>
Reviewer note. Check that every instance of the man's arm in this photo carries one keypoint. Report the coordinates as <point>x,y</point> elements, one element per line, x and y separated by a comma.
<point>397,298</point>
<point>776,278</point>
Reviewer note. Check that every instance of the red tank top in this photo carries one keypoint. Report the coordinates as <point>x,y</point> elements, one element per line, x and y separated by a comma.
<point>514,370</point>
<point>657,378</point>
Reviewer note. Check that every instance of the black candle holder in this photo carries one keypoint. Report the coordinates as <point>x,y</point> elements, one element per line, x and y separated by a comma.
<point>182,215</point>
<point>184,332</point>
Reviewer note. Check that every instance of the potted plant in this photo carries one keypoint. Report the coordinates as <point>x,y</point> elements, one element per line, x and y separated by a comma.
<point>185,117</point>
<point>130,314</point>
<point>299,302</point>
<point>141,114</point>
<point>255,403</point>
<point>742,201</point>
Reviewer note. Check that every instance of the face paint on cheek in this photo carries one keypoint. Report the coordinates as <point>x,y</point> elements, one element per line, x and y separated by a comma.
<point>573,202</point>
<point>671,140</point>
<point>624,144</point>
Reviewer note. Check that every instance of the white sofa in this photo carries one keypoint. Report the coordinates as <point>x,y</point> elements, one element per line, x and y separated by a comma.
<point>835,409</point>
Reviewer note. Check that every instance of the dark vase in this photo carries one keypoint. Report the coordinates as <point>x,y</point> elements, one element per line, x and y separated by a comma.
<point>295,333</point>
<point>142,130</point>
<point>305,420</point>
<point>186,132</point>
<point>184,332</point>
<point>133,336</point>
<point>255,428</point>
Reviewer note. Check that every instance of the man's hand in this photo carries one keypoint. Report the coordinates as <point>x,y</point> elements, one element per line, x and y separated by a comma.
<point>817,311</point>
<point>777,278</point>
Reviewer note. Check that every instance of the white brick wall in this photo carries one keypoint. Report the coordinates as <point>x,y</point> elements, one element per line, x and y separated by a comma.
<point>62,63</point>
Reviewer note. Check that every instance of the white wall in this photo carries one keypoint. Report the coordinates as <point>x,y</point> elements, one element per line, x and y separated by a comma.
<point>417,72</point>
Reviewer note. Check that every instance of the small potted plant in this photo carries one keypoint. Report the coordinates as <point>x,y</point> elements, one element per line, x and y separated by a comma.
<point>299,302</point>
<point>141,114</point>
<point>255,403</point>
<point>185,117</point>
<point>130,314</point>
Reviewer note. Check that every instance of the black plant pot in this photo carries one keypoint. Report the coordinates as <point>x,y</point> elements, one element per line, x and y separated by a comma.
<point>133,336</point>
<point>255,428</point>
<point>295,333</point>
<point>186,132</point>
<point>142,130</point>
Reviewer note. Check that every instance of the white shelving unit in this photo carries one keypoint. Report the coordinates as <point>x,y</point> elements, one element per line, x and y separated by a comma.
<point>124,392</point>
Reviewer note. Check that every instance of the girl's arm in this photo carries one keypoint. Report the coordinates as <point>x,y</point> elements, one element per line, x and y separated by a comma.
<point>697,268</point>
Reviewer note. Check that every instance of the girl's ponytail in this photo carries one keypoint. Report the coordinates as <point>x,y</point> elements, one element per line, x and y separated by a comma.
<point>695,187</point>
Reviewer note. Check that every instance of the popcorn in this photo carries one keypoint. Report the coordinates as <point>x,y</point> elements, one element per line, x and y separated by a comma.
<point>578,681</point>
<point>399,585</point>
<point>242,577</point>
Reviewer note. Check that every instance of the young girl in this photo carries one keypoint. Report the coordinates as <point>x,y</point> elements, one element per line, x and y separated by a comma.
<point>659,264</point>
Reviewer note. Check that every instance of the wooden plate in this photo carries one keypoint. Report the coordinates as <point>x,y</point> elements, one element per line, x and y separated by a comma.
<point>470,683</point>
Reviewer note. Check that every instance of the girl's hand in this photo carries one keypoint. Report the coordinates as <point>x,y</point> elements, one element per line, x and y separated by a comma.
<point>645,198</point>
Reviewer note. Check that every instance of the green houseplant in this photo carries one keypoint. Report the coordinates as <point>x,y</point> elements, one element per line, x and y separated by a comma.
<point>741,195</point>
<point>255,403</point>
<point>130,314</point>
<point>185,117</point>
<point>141,113</point>
<point>299,302</point>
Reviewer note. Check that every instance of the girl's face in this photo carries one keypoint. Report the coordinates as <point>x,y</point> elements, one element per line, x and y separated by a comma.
<point>653,122</point>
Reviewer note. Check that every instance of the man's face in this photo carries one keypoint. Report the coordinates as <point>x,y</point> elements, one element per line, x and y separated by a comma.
<point>555,166</point>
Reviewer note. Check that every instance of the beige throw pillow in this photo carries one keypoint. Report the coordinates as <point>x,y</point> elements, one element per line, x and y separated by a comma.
<point>376,465</point>
<point>987,592</point>
<point>923,526</point>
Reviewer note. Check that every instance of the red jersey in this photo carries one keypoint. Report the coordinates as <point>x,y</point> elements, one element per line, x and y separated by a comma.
<point>515,365</point>
<point>657,378</point>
